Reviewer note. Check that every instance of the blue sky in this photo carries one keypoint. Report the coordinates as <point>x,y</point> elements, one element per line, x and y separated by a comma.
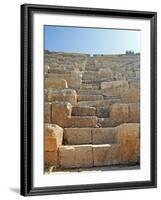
<point>91,40</point>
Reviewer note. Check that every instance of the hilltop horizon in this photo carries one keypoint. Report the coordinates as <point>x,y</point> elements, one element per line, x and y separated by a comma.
<point>127,52</point>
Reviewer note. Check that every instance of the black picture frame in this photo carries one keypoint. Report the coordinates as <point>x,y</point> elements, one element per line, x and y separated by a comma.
<point>27,188</point>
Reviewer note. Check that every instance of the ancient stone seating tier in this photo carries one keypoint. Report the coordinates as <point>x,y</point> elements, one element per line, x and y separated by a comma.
<point>91,110</point>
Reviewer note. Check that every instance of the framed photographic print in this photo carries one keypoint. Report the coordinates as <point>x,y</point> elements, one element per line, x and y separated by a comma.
<point>88,99</point>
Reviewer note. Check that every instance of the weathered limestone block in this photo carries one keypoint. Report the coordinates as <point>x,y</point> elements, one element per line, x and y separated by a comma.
<point>83,122</point>
<point>53,137</point>
<point>83,111</point>
<point>77,136</point>
<point>51,158</point>
<point>47,112</point>
<point>134,112</point>
<point>89,92</point>
<point>75,156</point>
<point>123,113</point>
<point>114,88</point>
<point>90,97</point>
<point>73,78</point>
<point>106,154</point>
<point>108,122</point>
<point>120,112</point>
<point>89,75</point>
<point>99,103</point>
<point>105,73</point>
<point>91,86</point>
<point>134,84</point>
<point>132,95</point>
<point>103,112</point>
<point>61,111</point>
<point>104,136</point>
<point>129,140</point>
<point>68,95</point>
<point>55,83</point>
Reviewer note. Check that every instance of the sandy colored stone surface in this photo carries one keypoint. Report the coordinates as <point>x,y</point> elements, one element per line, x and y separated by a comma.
<point>51,158</point>
<point>53,137</point>
<point>123,113</point>
<point>90,97</point>
<point>129,139</point>
<point>103,112</point>
<point>73,78</point>
<point>75,156</point>
<point>89,92</point>
<point>55,83</point>
<point>98,103</point>
<point>61,111</point>
<point>120,112</point>
<point>47,112</point>
<point>83,111</point>
<point>77,136</point>
<point>114,88</point>
<point>134,112</point>
<point>132,95</point>
<point>83,122</point>
<point>66,95</point>
<point>105,73</point>
<point>106,154</point>
<point>104,136</point>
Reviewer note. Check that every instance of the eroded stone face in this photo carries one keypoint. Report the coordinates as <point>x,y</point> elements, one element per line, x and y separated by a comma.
<point>83,122</point>
<point>90,97</point>
<point>51,158</point>
<point>106,154</point>
<point>132,95</point>
<point>73,78</point>
<point>53,137</point>
<point>55,83</point>
<point>105,73</point>
<point>124,113</point>
<point>47,113</point>
<point>75,156</point>
<point>83,111</point>
<point>61,111</point>
<point>114,88</point>
<point>129,139</point>
<point>104,136</point>
<point>75,136</point>
<point>66,95</point>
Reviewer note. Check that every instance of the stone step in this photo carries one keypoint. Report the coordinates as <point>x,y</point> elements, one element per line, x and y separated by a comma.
<point>105,122</point>
<point>66,95</point>
<point>89,97</point>
<point>83,111</point>
<point>88,81</point>
<point>77,136</point>
<point>111,97</point>
<point>103,112</point>
<point>83,122</point>
<point>98,103</point>
<point>92,68</point>
<point>96,80</point>
<point>88,91</point>
<point>90,86</point>
<point>82,156</point>
<point>106,154</point>
<point>75,156</point>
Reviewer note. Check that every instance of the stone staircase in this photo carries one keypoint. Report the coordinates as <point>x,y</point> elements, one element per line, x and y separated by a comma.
<point>91,116</point>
